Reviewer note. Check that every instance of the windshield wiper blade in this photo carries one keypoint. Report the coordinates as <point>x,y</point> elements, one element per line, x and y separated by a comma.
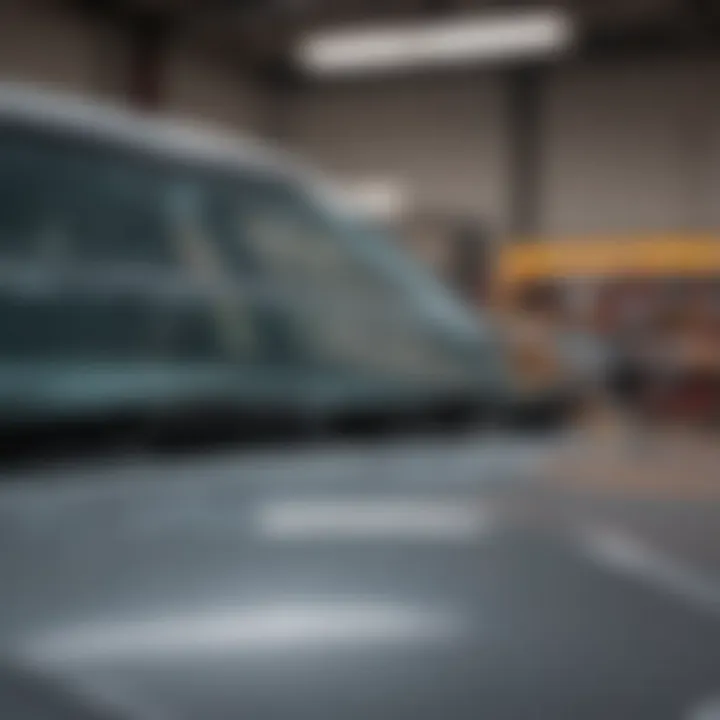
<point>201,425</point>
<point>190,426</point>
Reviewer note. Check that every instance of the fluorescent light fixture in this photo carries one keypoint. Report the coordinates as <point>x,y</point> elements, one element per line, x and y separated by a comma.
<point>476,38</point>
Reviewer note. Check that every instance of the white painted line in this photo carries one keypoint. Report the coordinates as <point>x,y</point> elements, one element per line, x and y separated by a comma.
<point>219,632</point>
<point>374,520</point>
<point>634,558</point>
<point>709,709</point>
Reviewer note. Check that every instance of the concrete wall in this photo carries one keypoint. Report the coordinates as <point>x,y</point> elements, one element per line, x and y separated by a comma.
<point>39,43</point>
<point>707,143</point>
<point>199,87</point>
<point>444,139</point>
<point>43,44</point>
<point>625,147</point>
<point>630,148</point>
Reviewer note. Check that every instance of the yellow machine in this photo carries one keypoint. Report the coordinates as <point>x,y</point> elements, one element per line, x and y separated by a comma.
<point>660,257</point>
<point>667,287</point>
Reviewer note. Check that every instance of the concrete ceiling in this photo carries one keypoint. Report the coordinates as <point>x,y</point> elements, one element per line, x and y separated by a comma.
<point>332,11</point>
<point>257,33</point>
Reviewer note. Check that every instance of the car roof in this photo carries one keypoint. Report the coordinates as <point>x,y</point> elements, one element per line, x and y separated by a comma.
<point>159,134</point>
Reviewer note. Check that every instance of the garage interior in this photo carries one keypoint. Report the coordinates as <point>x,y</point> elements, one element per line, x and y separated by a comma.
<point>341,542</point>
<point>615,137</point>
<point>618,135</point>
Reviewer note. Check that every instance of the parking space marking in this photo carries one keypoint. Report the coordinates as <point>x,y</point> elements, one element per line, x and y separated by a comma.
<point>633,557</point>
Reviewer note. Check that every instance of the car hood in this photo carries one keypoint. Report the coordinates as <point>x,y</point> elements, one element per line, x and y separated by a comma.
<point>360,582</point>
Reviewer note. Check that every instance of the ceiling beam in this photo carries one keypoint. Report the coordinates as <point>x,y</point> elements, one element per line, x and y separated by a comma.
<point>657,41</point>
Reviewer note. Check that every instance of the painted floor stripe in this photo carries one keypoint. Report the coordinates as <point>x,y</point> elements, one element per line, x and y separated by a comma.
<point>384,519</point>
<point>633,557</point>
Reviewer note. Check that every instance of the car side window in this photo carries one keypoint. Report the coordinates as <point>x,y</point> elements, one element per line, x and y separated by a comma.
<point>116,212</point>
<point>29,182</point>
<point>70,201</point>
<point>129,265</point>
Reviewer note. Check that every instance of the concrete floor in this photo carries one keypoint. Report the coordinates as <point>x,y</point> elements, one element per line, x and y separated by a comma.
<point>614,550</point>
<point>570,580</point>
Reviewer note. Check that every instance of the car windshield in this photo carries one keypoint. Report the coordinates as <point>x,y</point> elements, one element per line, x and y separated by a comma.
<point>127,277</point>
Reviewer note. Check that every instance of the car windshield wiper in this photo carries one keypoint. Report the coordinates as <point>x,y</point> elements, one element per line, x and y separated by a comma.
<point>203,424</point>
<point>206,423</point>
